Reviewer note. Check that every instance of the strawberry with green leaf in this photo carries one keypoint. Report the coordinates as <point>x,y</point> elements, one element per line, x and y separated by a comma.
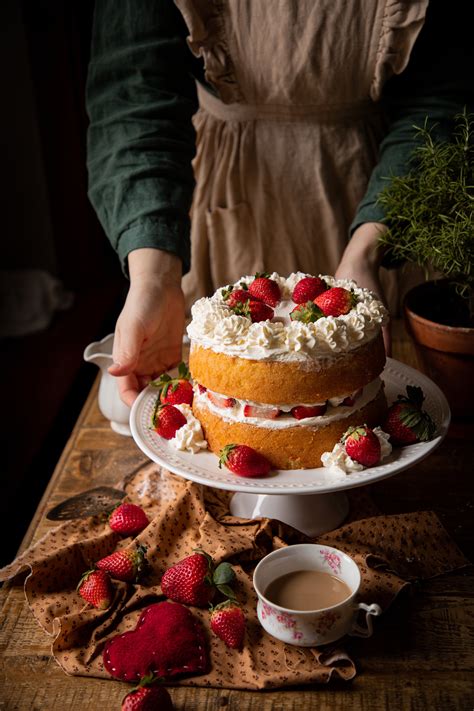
<point>265,289</point>
<point>166,419</point>
<point>254,310</point>
<point>233,297</point>
<point>362,445</point>
<point>195,580</point>
<point>175,391</point>
<point>406,422</point>
<point>306,312</point>
<point>244,461</point>
<point>126,564</point>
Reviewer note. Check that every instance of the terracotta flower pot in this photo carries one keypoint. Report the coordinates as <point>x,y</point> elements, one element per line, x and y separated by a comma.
<point>445,353</point>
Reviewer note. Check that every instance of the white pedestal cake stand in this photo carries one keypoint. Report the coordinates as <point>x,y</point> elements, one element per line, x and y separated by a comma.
<point>310,500</point>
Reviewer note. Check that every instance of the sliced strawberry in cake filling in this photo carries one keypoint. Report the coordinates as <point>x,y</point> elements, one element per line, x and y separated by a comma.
<point>286,415</point>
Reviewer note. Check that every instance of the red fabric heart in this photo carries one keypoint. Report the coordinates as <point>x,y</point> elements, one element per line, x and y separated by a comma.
<point>168,640</point>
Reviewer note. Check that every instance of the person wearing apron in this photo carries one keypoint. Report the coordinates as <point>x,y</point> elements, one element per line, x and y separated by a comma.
<point>233,137</point>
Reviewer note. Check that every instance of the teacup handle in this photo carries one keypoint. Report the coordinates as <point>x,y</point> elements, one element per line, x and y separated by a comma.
<point>358,630</point>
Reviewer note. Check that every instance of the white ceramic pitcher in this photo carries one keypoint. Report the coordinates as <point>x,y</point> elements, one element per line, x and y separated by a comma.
<point>110,403</point>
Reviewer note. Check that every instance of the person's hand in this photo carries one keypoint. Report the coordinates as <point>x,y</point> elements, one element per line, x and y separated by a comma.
<point>149,330</point>
<point>361,262</point>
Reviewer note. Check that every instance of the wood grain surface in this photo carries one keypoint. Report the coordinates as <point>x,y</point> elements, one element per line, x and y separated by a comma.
<point>420,658</point>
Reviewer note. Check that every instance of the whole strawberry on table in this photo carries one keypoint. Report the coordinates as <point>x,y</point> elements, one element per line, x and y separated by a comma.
<point>126,564</point>
<point>194,580</point>
<point>128,519</point>
<point>148,695</point>
<point>95,588</point>
<point>228,623</point>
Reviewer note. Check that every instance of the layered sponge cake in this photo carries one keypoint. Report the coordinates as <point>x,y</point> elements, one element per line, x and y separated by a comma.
<point>287,378</point>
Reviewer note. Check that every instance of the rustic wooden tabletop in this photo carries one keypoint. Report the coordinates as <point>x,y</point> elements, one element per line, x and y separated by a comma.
<point>420,658</point>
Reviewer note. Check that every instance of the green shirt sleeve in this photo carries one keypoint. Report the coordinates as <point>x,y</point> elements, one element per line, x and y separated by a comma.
<point>140,98</point>
<point>436,85</point>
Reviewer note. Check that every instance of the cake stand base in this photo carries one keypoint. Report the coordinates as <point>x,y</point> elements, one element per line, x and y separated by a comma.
<point>311,514</point>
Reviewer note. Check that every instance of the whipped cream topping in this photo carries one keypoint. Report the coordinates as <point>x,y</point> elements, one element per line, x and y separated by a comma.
<point>335,411</point>
<point>215,326</point>
<point>189,437</point>
<point>340,463</point>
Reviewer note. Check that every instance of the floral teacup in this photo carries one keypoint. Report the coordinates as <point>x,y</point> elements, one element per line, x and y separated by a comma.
<point>322,625</point>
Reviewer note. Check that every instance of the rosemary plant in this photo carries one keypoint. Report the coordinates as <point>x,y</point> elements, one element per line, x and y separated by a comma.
<point>430,211</point>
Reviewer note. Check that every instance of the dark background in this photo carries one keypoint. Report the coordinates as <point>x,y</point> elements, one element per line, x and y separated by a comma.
<point>48,223</point>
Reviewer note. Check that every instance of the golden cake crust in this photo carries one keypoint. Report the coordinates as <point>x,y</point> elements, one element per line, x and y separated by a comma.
<point>290,448</point>
<point>278,382</point>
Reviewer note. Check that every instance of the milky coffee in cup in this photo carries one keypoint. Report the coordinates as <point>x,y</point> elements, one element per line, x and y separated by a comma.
<point>307,590</point>
<point>307,595</point>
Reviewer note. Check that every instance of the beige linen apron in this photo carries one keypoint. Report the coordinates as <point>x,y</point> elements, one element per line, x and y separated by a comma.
<point>285,153</point>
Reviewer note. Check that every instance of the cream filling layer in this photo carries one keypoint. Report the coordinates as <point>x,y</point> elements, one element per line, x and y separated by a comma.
<point>335,411</point>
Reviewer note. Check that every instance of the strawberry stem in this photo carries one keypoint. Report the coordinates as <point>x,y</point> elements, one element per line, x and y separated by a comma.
<point>226,292</point>
<point>209,559</point>
<point>156,409</point>
<point>307,313</point>
<point>354,432</point>
<point>224,454</point>
<point>147,680</point>
<point>223,605</point>
<point>84,577</point>
<point>165,381</point>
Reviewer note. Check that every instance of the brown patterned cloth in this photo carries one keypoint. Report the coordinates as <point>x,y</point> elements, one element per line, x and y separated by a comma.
<point>390,551</point>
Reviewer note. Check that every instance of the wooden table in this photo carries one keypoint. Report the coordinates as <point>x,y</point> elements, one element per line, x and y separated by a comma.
<point>420,658</point>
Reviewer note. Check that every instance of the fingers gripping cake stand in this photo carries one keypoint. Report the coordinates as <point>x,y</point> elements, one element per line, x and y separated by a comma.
<point>311,500</point>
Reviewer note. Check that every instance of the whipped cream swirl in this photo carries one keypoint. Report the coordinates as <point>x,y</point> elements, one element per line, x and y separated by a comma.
<point>189,437</point>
